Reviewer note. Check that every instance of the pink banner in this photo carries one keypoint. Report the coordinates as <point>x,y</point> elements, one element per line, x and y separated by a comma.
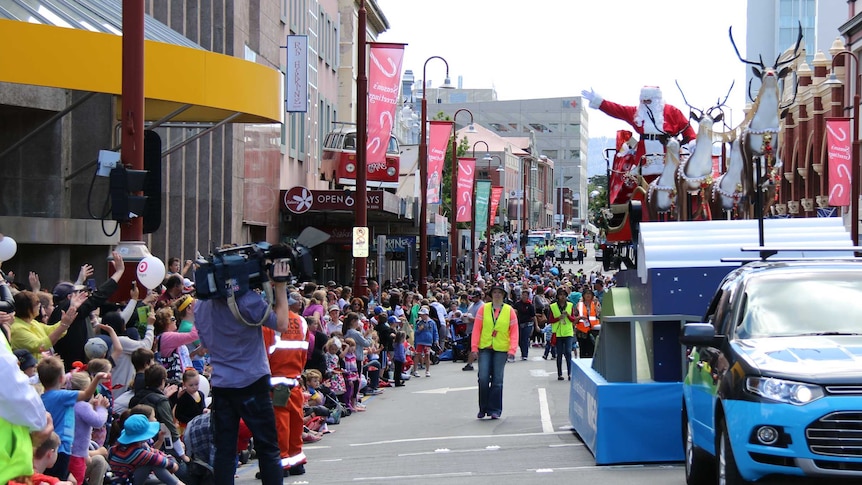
<point>438,140</point>
<point>466,172</point>
<point>384,79</point>
<point>496,192</point>
<point>838,140</point>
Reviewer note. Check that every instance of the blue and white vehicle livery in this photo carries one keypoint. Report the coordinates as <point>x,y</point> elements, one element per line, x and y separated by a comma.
<point>774,382</point>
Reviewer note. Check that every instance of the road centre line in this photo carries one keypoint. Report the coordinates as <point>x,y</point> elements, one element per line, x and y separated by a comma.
<point>424,475</point>
<point>544,411</point>
<point>468,437</point>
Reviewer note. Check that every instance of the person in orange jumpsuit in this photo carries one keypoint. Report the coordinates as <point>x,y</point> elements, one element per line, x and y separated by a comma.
<point>288,352</point>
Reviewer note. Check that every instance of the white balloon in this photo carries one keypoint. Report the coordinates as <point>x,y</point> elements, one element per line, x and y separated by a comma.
<point>8,248</point>
<point>151,272</point>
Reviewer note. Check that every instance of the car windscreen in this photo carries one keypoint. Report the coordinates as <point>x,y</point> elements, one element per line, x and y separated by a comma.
<point>793,304</point>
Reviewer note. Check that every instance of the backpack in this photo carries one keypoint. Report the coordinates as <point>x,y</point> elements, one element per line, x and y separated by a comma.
<point>172,363</point>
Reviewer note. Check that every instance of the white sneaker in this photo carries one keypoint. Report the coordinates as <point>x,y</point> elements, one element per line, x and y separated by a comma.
<point>427,373</point>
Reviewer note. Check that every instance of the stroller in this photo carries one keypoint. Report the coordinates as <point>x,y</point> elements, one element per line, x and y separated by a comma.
<point>458,343</point>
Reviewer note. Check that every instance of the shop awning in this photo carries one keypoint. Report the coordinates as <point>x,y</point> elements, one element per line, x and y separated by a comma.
<point>79,47</point>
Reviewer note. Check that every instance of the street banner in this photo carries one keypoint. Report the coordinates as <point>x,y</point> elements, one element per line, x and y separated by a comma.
<point>296,80</point>
<point>438,140</point>
<point>838,141</point>
<point>466,172</point>
<point>384,84</point>
<point>496,192</point>
<point>483,196</point>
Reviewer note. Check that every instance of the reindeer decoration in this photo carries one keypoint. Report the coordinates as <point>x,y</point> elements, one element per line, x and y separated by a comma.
<point>662,194</point>
<point>695,171</point>
<point>761,135</point>
<point>727,188</point>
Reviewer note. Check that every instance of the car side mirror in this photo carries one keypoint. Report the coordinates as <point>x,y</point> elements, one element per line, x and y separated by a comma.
<point>698,334</point>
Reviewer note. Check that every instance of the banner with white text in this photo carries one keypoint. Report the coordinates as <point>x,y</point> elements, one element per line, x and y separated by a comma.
<point>438,140</point>
<point>466,172</point>
<point>838,142</point>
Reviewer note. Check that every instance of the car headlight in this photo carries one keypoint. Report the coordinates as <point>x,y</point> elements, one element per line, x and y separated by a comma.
<point>350,168</point>
<point>390,171</point>
<point>783,391</point>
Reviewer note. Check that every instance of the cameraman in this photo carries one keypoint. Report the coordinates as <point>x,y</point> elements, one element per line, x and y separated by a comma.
<point>241,376</point>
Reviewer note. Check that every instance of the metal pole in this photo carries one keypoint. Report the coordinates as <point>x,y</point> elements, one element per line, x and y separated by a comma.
<point>132,104</point>
<point>423,183</point>
<point>360,268</point>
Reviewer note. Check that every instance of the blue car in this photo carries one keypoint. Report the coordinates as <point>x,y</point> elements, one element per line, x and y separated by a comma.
<point>774,381</point>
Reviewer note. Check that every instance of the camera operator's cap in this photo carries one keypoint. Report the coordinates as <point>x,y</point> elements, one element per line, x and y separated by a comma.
<point>294,298</point>
<point>424,310</point>
<point>95,348</point>
<point>25,359</point>
<point>188,286</point>
<point>138,428</point>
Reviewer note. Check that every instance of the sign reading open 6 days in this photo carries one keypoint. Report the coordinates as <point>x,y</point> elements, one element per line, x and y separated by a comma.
<point>360,242</point>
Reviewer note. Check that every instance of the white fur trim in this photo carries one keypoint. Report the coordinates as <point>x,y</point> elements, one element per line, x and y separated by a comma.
<point>650,92</point>
<point>596,101</point>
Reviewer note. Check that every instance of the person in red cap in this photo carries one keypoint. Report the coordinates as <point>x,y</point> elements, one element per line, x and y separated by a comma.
<point>653,120</point>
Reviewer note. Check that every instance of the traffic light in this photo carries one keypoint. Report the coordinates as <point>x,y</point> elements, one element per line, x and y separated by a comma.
<point>153,181</point>
<point>124,186</point>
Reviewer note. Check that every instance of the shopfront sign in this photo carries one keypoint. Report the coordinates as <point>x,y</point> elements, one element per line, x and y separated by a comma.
<point>300,200</point>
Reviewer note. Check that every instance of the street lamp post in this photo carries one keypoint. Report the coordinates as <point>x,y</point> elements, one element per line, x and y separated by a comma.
<point>473,251</point>
<point>453,226</point>
<point>855,169</point>
<point>360,265</point>
<point>423,181</point>
<point>500,170</point>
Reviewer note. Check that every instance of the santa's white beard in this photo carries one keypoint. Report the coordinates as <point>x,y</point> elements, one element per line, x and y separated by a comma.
<point>642,117</point>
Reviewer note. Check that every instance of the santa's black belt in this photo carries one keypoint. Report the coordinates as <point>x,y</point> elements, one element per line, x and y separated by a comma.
<point>652,137</point>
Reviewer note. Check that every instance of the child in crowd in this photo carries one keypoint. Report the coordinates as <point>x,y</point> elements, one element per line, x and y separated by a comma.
<point>61,404</point>
<point>133,459</point>
<point>44,457</point>
<point>315,400</point>
<point>399,356</point>
<point>141,360</point>
<point>95,366</point>
<point>333,367</point>
<point>550,346</point>
<point>189,401</point>
<point>351,371</point>
<point>88,415</point>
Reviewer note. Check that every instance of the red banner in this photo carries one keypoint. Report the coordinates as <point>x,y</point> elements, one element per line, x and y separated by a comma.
<point>438,140</point>
<point>838,140</point>
<point>496,192</point>
<point>466,172</point>
<point>384,79</point>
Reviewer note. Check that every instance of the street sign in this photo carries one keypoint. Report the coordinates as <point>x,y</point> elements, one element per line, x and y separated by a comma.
<point>300,200</point>
<point>360,242</point>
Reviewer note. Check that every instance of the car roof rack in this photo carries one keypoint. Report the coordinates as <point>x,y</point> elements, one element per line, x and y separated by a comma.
<point>767,252</point>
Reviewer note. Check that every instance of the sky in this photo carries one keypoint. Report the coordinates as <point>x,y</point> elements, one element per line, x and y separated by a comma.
<point>556,48</point>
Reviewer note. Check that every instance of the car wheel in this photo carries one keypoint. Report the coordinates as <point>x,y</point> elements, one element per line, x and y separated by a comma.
<point>728,473</point>
<point>698,469</point>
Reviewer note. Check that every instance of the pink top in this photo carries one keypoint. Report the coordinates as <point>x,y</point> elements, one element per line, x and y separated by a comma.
<point>171,340</point>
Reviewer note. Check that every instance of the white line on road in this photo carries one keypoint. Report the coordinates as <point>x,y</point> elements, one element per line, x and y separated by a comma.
<point>545,412</point>
<point>444,390</point>
<point>446,438</point>
<point>402,477</point>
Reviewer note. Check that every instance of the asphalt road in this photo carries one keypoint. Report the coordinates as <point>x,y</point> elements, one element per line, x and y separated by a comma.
<point>428,431</point>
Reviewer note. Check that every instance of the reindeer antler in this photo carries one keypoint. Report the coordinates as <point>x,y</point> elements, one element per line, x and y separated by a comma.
<point>690,107</point>
<point>795,51</point>
<point>760,64</point>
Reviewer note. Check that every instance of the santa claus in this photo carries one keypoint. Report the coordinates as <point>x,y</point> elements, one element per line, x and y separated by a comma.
<point>653,120</point>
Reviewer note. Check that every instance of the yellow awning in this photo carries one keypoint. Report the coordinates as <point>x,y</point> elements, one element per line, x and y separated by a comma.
<point>215,85</point>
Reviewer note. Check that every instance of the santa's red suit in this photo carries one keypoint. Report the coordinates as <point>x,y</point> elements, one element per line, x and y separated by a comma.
<point>650,149</point>
<point>288,352</point>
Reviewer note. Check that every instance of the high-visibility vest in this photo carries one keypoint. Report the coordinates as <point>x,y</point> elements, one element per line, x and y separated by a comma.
<point>500,341</point>
<point>287,350</point>
<point>564,327</point>
<point>590,314</point>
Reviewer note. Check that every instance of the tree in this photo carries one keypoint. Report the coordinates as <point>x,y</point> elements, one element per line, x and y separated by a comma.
<point>598,189</point>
